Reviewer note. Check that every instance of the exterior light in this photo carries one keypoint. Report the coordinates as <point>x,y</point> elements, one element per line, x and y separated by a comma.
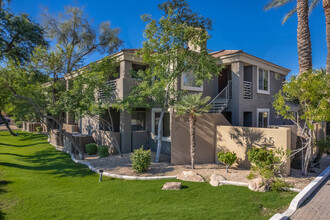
<point>101,171</point>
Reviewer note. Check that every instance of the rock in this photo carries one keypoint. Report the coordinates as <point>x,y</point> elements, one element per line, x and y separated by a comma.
<point>255,183</point>
<point>190,176</point>
<point>172,186</point>
<point>215,179</point>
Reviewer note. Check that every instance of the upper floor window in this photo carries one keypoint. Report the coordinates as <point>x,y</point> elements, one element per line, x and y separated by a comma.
<point>263,81</point>
<point>188,82</point>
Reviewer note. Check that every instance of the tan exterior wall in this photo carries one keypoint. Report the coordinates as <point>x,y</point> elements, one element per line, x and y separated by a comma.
<point>70,128</point>
<point>205,138</point>
<point>31,126</point>
<point>104,138</point>
<point>236,139</point>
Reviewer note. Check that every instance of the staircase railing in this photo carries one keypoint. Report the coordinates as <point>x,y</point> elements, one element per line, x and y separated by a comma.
<point>224,96</point>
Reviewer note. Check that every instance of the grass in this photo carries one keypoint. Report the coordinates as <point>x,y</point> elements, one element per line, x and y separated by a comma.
<point>39,182</point>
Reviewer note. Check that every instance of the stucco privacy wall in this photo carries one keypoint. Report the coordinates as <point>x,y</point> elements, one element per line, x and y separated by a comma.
<point>235,138</point>
<point>205,138</point>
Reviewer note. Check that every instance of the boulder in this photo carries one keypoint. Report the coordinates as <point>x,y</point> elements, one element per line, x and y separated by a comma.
<point>191,176</point>
<point>256,183</point>
<point>172,186</point>
<point>215,179</point>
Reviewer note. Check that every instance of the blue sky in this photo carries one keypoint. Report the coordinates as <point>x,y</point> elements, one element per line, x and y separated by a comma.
<point>239,24</point>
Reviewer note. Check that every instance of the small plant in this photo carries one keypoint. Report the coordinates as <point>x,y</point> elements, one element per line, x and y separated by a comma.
<point>91,148</point>
<point>264,162</point>
<point>103,150</point>
<point>19,124</point>
<point>227,158</point>
<point>39,129</point>
<point>140,160</point>
<point>280,185</point>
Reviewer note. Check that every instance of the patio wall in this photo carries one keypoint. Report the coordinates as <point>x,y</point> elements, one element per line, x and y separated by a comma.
<point>236,139</point>
<point>205,138</point>
<point>105,138</point>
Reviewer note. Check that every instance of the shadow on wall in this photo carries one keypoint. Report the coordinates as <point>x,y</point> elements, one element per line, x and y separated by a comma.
<point>245,138</point>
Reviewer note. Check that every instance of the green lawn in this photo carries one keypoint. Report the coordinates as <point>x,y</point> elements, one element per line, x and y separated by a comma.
<point>39,182</point>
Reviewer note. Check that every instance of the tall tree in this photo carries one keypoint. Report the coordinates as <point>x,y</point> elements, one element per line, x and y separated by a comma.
<point>74,38</point>
<point>193,105</point>
<point>326,7</point>
<point>304,44</point>
<point>313,106</point>
<point>19,35</point>
<point>175,44</point>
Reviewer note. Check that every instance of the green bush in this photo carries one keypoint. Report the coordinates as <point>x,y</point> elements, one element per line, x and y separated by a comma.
<point>103,150</point>
<point>140,160</point>
<point>39,129</point>
<point>280,185</point>
<point>227,158</point>
<point>19,124</point>
<point>91,148</point>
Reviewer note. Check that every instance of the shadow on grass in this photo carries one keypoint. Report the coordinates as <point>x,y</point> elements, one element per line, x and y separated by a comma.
<point>57,163</point>
<point>26,145</point>
<point>3,183</point>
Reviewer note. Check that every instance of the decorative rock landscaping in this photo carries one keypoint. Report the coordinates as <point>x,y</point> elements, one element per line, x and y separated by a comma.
<point>215,180</point>
<point>190,176</point>
<point>172,186</point>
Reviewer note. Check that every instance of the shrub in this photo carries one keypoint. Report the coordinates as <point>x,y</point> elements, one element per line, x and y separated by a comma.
<point>39,129</point>
<point>227,158</point>
<point>280,185</point>
<point>19,124</point>
<point>91,148</point>
<point>264,162</point>
<point>103,150</point>
<point>140,160</point>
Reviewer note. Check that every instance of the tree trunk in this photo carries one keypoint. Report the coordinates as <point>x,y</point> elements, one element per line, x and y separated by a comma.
<point>160,134</point>
<point>192,131</point>
<point>303,37</point>
<point>326,7</point>
<point>7,125</point>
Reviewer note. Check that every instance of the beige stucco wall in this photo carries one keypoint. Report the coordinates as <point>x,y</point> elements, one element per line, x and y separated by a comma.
<point>70,128</point>
<point>236,139</point>
<point>205,138</point>
<point>106,138</point>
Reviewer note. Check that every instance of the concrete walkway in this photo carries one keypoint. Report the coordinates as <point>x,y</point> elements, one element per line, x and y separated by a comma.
<point>317,206</point>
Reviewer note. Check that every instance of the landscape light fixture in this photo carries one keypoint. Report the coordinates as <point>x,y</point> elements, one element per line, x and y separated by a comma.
<point>101,171</point>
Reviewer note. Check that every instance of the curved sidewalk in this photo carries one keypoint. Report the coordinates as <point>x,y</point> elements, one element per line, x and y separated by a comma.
<point>317,206</point>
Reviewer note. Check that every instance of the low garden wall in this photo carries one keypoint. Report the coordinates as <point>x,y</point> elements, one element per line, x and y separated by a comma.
<point>236,139</point>
<point>102,137</point>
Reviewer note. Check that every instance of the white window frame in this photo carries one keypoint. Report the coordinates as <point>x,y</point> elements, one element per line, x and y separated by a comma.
<point>260,90</point>
<point>259,110</point>
<point>153,136</point>
<point>191,88</point>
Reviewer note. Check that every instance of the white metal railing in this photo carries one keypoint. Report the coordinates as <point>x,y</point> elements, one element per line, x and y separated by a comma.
<point>220,101</point>
<point>113,86</point>
<point>247,90</point>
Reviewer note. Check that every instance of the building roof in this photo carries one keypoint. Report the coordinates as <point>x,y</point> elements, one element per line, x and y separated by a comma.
<point>221,53</point>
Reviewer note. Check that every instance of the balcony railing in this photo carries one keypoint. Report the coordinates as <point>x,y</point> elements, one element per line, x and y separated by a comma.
<point>102,96</point>
<point>247,90</point>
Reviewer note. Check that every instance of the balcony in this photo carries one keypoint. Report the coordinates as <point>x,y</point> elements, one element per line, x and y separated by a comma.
<point>112,96</point>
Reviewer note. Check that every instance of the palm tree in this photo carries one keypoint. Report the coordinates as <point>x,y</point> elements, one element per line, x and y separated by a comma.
<point>326,7</point>
<point>303,33</point>
<point>193,105</point>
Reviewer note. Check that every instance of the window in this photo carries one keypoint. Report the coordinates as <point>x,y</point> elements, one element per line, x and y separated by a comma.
<point>138,121</point>
<point>188,82</point>
<point>262,118</point>
<point>277,76</point>
<point>166,124</point>
<point>263,81</point>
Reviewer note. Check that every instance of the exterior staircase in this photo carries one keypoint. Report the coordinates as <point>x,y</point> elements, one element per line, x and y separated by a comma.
<point>220,102</point>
